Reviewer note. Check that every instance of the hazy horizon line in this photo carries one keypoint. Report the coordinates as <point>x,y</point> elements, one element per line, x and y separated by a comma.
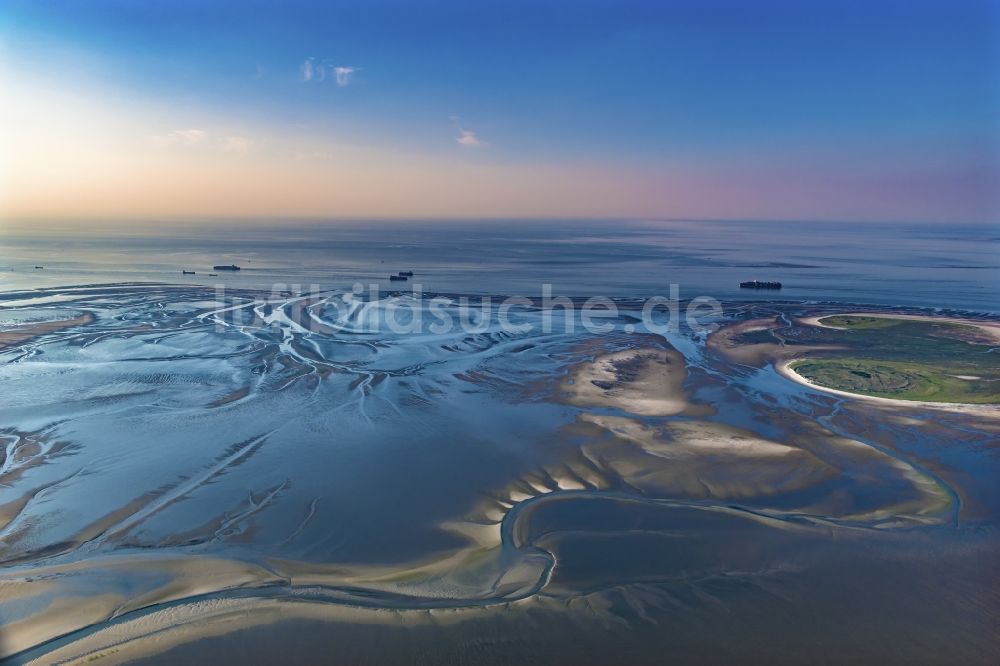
<point>271,220</point>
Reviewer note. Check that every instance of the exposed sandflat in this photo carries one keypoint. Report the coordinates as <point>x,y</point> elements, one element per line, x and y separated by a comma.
<point>18,334</point>
<point>645,381</point>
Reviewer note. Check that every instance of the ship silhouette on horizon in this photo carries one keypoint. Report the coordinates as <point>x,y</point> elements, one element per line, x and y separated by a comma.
<point>757,284</point>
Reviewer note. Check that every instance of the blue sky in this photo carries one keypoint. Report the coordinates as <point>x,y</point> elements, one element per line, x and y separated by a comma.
<point>858,107</point>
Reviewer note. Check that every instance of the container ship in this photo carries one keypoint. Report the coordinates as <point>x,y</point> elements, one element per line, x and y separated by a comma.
<point>757,284</point>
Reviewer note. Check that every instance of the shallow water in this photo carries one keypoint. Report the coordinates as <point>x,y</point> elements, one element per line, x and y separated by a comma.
<point>274,468</point>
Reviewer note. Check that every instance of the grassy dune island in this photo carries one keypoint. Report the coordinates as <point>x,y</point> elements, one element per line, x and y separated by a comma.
<point>919,359</point>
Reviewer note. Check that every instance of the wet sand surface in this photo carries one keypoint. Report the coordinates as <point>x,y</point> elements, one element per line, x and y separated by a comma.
<point>261,479</point>
<point>30,330</point>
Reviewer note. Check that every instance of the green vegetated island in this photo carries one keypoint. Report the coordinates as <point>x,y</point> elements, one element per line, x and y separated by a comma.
<point>908,359</point>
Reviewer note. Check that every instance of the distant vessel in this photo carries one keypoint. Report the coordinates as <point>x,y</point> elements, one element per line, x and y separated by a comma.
<point>405,273</point>
<point>231,267</point>
<point>397,278</point>
<point>757,284</point>
<point>188,272</point>
<point>213,275</point>
<point>37,267</point>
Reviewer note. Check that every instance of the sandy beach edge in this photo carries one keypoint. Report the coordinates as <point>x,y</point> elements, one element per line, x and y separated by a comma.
<point>990,328</point>
<point>784,368</point>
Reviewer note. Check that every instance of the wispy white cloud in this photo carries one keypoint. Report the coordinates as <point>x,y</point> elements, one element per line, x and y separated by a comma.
<point>469,138</point>
<point>343,75</point>
<point>306,70</point>
<point>190,136</point>
<point>313,70</point>
<point>231,143</point>
<point>237,144</point>
<point>183,137</point>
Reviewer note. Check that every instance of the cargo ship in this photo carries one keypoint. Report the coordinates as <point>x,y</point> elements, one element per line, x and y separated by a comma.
<point>757,284</point>
<point>397,278</point>
<point>231,267</point>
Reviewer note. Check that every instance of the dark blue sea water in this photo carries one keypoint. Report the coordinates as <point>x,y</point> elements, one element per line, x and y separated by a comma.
<point>934,266</point>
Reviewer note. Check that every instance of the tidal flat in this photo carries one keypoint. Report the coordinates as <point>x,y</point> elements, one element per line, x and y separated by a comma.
<point>253,477</point>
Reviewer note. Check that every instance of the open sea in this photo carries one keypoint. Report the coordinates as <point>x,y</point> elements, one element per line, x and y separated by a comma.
<point>917,265</point>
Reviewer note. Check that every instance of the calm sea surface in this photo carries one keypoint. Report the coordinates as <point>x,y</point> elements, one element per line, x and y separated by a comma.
<point>934,266</point>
